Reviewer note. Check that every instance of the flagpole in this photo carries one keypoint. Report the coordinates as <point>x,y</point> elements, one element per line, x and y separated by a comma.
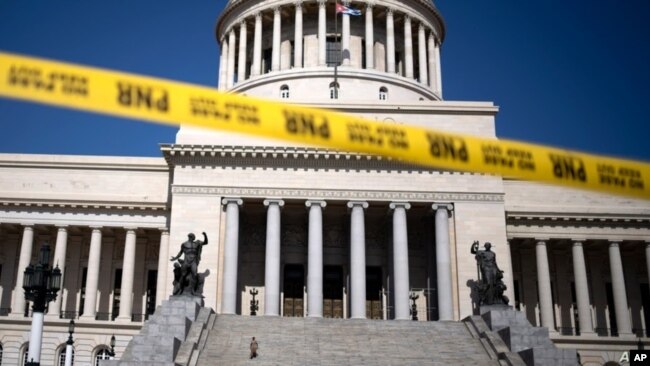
<point>336,39</point>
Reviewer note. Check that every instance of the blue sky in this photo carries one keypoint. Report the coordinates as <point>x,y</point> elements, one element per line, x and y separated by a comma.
<point>572,74</point>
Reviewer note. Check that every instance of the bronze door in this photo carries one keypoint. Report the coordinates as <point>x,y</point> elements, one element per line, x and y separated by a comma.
<point>333,292</point>
<point>374,308</point>
<point>294,282</point>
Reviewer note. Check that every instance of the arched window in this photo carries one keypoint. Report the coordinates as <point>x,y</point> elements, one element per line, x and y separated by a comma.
<point>25,354</point>
<point>102,354</point>
<point>284,92</point>
<point>334,90</point>
<point>383,93</point>
<point>62,351</point>
<point>0,355</point>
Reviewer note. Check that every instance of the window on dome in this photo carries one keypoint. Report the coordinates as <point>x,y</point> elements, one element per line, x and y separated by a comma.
<point>284,92</point>
<point>383,93</point>
<point>333,51</point>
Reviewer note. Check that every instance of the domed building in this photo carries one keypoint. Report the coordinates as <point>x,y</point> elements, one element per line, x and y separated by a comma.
<point>313,232</point>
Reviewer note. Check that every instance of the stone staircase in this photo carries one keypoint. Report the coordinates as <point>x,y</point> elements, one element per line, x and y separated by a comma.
<point>309,341</point>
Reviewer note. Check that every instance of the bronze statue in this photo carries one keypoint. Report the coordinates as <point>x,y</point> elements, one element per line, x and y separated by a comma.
<point>186,277</point>
<point>490,286</point>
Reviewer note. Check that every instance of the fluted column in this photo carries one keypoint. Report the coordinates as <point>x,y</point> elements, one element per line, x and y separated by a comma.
<point>357,260</point>
<point>345,36</point>
<point>297,41</point>
<point>443,262</point>
<point>277,28</point>
<point>544,286</point>
<point>230,78</point>
<point>257,46</point>
<point>322,30</point>
<point>163,263</point>
<point>582,288</point>
<point>438,70</point>
<point>618,290</point>
<point>18,307</point>
<point>231,252</point>
<point>422,55</point>
<point>128,273</point>
<point>401,261</point>
<point>241,67</point>
<point>92,274</point>
<point>390,41</point>
<point>223,64</point>
<point>315,259</point>
<point>647,259</point>
<point>431,48</point>
<point>272,261</point>
<point>60,249</point>
<point>370,38</point>
<point>408,48</point>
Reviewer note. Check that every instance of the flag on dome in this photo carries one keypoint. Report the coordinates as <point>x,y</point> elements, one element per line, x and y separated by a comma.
<point>342,9</point>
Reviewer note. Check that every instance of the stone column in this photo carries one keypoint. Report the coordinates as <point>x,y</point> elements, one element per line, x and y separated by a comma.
<point>18,307</point>
<point>297,41</point>
<point>322,33</point>
<point>315,259</point>
<point>390,42</point>
<point>231,252</point>
<point>370,38</point>
<point>223,64</point>
<point>438,71</point>
<point>163,263</point>
<point>618,290</point>
<point>647,260</point>
<point>277,28</point>
<point>272,262</point>
<point>401,261</point>
<point>357,260</point>
<point>443,261</point>
<point>128,273</point>
<point>60,249</point>
<point>422,55</point>
<point>257,46</point>
<point>345,36</point>
<point>241,67</point>
<point>582,289</point>
<point>431,45</point>
<point>232,39</point>
<point>544,286</point>
<point>408,48</point>
<point>92,274</point>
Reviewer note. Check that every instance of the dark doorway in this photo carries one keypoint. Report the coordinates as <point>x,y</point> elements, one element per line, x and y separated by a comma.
<point>373,293</point>
<point>333,292</point>
<point>294,282</point>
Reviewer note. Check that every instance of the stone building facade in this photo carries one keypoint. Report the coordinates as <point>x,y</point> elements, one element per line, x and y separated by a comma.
<point>319,232</point>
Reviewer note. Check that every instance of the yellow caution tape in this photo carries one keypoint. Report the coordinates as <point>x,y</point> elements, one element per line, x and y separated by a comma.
<point>159,100</point>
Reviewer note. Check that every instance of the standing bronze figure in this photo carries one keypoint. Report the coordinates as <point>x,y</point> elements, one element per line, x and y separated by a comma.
<point>490,286</point>
<point>186,278</point>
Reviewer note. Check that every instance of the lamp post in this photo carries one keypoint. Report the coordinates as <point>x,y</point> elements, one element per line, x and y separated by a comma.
<point>41,284</point>
<point>112,354</point>
<point>68,345</point>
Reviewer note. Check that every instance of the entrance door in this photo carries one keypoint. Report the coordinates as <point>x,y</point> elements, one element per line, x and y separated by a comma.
<point>373,293</point>
<point>333,292</point>
<point>294,282</point>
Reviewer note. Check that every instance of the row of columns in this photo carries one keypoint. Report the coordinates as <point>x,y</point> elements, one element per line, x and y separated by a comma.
<point>582,288</point>
<point>428,48</point>
<point>93,272</point>
<point>357,258</point>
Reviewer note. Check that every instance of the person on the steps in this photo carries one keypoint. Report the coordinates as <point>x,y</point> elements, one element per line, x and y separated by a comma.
<point>253,348</point>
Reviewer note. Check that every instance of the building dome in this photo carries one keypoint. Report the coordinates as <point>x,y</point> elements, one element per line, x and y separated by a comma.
<point>297,50</point>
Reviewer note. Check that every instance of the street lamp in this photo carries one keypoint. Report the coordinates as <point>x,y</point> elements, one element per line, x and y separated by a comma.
<point>41,285</point>
<point>112,354</point>
<point>68,347</point>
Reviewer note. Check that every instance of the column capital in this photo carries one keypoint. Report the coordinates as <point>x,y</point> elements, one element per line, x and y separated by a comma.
<point>394,205</point>
<point>273,201</point>
<point>164,230</point>
<point>96,228</point>
<point>258,16</point>
<point>228,200</point>
<point>298,4</point>
<point>421,27</point>
<point>362,204</point>
<point>310,203</point>
<point>242,23</point>
<point>370,5</point>
<point>346,2</point>
<point>62,227</point>
<point>130,228</point>
<point>407,18</point>
<point>541,241</point>
<point>390,11</point>
<point>448,206</point>
<point>577,242</point>
<point>276,9</point>
<point>322,3</point>
<point>28,226</point>
<point>614,243</point>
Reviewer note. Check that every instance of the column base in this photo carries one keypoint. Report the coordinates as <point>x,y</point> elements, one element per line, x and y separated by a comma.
<point>87,318</point>
<point>123,319</point>
<point>627,336</point>
<point>53,317</point>
<point>588,334</point>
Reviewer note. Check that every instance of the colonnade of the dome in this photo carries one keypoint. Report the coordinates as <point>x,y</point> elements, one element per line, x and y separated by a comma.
<point>274,36</point>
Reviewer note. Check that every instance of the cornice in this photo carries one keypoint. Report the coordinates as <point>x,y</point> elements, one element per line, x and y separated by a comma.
<point>327,195</point>
<point>576,220</point>
<point>82,162</point>
<point>90,205</point>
